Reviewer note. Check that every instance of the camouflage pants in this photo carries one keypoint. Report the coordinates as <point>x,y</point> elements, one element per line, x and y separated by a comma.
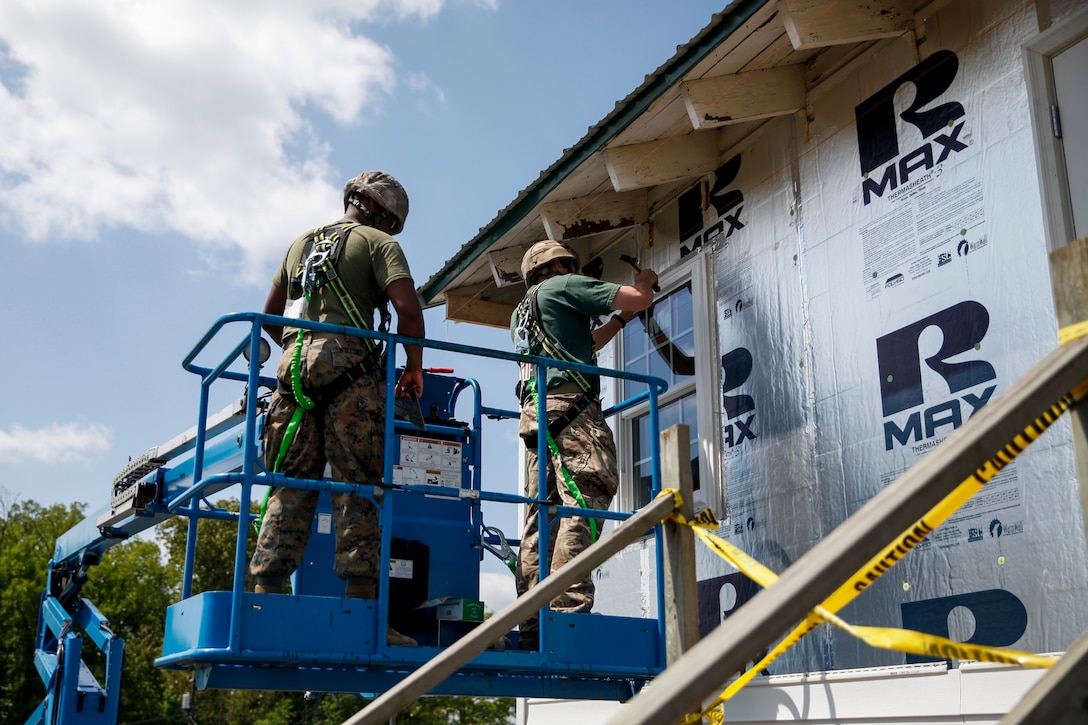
<point>348,434</point>
<point>589,453</point>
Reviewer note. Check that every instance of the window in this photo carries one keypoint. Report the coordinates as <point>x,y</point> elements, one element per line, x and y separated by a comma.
<point>683,410</point>
<point>670,341</point>
<point>661,342</point>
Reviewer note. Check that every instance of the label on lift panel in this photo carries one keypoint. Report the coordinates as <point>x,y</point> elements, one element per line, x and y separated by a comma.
<point>400,568</point>
<point>429,460</point>
<point>324,523</point>
<point>404,475</point>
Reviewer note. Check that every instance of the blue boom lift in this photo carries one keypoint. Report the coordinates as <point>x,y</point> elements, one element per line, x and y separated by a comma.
<point>433,540</point>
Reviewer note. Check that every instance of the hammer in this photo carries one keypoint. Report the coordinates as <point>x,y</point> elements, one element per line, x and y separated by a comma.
<point>633,261</point>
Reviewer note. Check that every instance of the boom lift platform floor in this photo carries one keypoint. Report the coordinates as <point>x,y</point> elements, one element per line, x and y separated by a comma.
<point>335,648</point>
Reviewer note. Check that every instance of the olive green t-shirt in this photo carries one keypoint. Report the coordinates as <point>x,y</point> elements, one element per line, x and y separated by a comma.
<point>370,261</point>
<point>567,302</point>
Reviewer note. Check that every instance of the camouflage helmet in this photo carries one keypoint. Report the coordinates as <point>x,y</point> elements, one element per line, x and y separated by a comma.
<point>543,253</point>
<point>384,190</point>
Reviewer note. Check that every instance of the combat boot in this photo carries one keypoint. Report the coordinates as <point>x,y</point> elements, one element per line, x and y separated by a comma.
<point>393,637</point>
<point>269,585</point>
<point>361,591</point>
<point>370,591</point>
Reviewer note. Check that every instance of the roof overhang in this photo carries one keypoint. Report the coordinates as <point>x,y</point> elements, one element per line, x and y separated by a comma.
<point>756,60</point>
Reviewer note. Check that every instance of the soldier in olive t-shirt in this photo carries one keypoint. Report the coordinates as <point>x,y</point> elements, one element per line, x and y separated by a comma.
<point>345,428</point>
<point>566,301</point>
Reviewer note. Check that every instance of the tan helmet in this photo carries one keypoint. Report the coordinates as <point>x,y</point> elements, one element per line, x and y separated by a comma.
<point>543,253</point>
<point>382,189</point>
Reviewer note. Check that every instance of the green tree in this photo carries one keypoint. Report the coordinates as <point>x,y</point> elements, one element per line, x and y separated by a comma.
<point>465,710</point>
<point>132,587</point>
<point>213,568</point>
<point>335,709</point>
<point>28,534</point>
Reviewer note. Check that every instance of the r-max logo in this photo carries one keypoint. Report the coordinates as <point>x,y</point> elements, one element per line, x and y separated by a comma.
<point>728,204</point>
<point>899,359</point>
<point>736,367</point>
<point>878,137</point>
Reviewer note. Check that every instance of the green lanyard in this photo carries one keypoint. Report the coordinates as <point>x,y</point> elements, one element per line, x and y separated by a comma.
<point>303,404</point>
<point>567,477</point>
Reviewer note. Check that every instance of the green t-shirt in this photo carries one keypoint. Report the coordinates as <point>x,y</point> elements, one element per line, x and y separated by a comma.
<point>370,261</point>
<point>567,302</point>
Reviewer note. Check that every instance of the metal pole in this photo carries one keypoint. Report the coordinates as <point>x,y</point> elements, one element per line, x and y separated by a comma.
<point>819,573</point>
<point>426,677</point>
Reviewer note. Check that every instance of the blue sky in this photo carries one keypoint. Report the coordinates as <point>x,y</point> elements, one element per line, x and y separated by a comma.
<point>159,157</point>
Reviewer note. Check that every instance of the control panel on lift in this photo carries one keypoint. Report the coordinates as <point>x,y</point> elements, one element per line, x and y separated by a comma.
<point>434,553</point>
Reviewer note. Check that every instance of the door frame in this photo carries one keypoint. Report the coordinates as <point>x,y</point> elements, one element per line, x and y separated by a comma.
<point>1053,181</point>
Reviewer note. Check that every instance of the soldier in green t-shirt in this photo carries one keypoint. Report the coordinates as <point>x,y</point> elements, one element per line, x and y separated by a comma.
<point>565,301</point>
<point>345,428</point>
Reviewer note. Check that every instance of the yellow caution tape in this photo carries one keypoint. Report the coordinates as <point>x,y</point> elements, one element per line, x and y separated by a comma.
<point>675,493</point>
<point>899,548</point>
<point>705,517</point>
<point>1072,332</point>
<point>900,640</point>
<point>930,645</point>
<point>914,535</point>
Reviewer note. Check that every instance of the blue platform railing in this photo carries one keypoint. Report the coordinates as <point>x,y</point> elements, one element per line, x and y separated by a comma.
<point>223,451</point>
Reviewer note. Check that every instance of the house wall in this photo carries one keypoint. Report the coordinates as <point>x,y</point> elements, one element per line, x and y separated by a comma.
<point>977,693</point>
<point>875,281</point>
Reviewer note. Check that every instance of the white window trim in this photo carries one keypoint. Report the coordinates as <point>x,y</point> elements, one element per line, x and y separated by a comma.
<point>696,271</point>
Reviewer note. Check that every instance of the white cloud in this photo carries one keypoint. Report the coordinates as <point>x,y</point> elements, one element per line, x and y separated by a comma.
<point>425,90</point>
<point>497,591</point>
<point>57,443</point>
<point>178,115</point>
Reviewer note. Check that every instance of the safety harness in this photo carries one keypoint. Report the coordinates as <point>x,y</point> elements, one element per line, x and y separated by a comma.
<point>530,338</point>
<point>317,268</point>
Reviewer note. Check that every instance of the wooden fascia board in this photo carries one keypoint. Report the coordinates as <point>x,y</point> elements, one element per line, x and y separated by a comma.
<point>464,308</point>
<point>741,97</point>
<point>816,23</point>
<point>640,165</point>
<point>573,218</point>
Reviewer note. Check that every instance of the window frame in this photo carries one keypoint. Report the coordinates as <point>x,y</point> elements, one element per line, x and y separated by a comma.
<point>708,414</point>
